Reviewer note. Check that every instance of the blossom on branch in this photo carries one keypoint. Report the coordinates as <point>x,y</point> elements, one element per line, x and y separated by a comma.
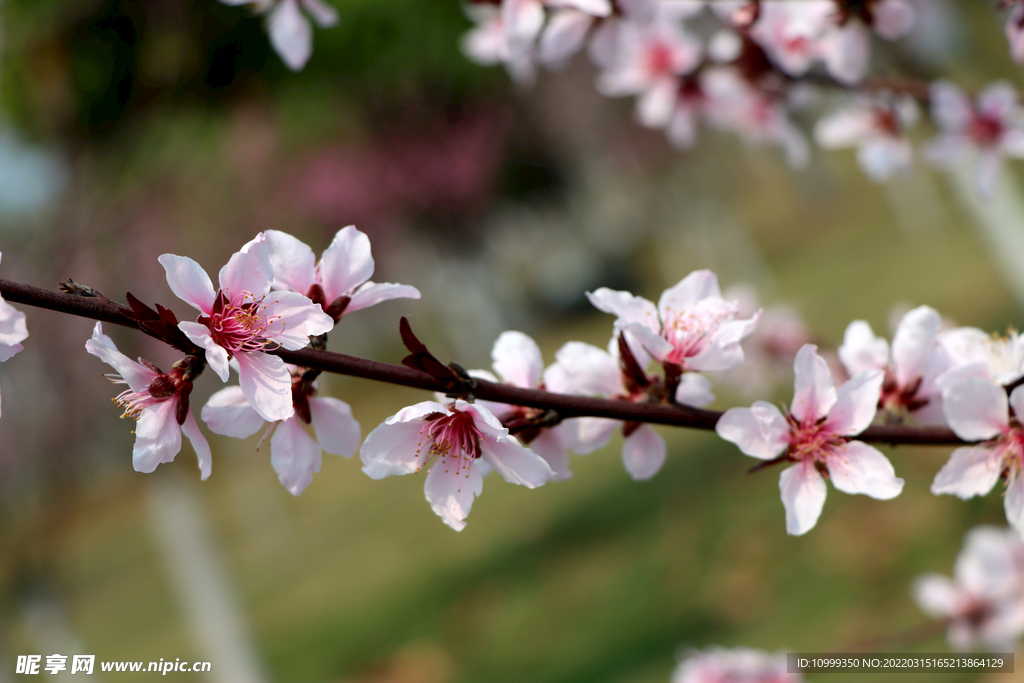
<point>992,127</point>
<point>976,353</point>
<point>977,409</point>
<point>876,127</point>
<point>912,369</point>
<point>692,328</point>
<point>458,444</point>
<point>517,361</point>
<point>242,319</point>
<point>340,281</point>
<point>984,601</point>
<point>586,370</point>
<point>13,330</point>
<point>158,401</point>
<point>291,34</point>
<point>294,454</point>
<point>815,435</point>
<point>736,665</point>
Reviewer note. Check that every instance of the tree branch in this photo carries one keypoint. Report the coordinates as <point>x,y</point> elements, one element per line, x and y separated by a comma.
<point>567,406</point>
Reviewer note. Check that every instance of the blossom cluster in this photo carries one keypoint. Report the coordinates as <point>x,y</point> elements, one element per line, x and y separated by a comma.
<point>758,64</point>
<point>983,604</point>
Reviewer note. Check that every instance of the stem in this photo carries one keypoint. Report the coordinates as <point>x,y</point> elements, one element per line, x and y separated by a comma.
<point>567,406</point>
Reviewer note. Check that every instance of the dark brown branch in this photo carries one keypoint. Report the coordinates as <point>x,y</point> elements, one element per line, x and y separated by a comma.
<point>565,405</point>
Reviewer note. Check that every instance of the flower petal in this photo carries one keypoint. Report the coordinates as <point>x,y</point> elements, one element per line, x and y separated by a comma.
<point>935,595</point>
<point>229,414</point>
<point>216,355</point>
<point>585,435</point>
<point>293,262</point>
<point>347,263</point>
<point>626,307</point>
<point>199,444</point>
<point>860,468</point>
<point>323,14</point>
<point>336,429</point>
<point>395,448</point>
<point>856,403</point>
<point>970,471</point>
<point>516,463</point>
<point>266,384</point>
<point>643,453</point>
<point>759,431</point>
<point>563,36</point>
<point>694,390</point>
<point>914,343</point>
<point>950,108</point>
<point>550,445</point>
<point>293,319</point>
<point>248,270</point>
<point>13,328</point>
<point>157,437</point>
<point>861,350</point>
<point>517,359</point>
<point>189,282</point>
<point>138,376</point>
<point>814,391</point>
<point>372,293</point>
<point>294,455</point>
<point>584,369</point>
<point>976,409</point>
<point>291,34</point>
<point>1013,502</point>
<point>803,495</point>
<point>700,284</point>
<point>450,492</point>
<point>893,18</point>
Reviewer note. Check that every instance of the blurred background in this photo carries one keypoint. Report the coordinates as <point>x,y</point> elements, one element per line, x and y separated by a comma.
<point>131,129</point>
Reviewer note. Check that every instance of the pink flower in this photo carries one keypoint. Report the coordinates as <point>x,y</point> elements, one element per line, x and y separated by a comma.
<point>692,328</point>
<point>975,353</point>
<point>814,435</point>
<point>517,360</point>
<point>13,330</point>
<point>737,665</point>
<point>457,444</point>
<point>876,128</point>
<point>912,370</point>
<point>242,318</point>
<point>1015,30</point>
<point>158,401</point>
<point>340,281</point>
<point>649,57</point>
<point>583,369</point>
<point>790,32</point>
<point>991,127</point>
<point>984,602</point>
<point>291,34</point>
<point>294,454</point>
<point>487,42</point>
<point>977,410</point>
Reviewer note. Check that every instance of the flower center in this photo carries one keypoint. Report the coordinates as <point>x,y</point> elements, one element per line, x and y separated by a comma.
<point>454,436</point>
<point>813,442</point>
<point>986,130</point>
<point>240,328</point>
<point>659,59</point>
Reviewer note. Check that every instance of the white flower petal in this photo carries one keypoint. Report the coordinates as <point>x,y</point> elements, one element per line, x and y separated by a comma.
<point>584,369</point>
<point>294,455</point>
<point>915,341</point>
<point>846,52</point>
<point>516,463</point>
<point>860,468</point>
<point>138,377</point>
<point>694,390</point>
<point>291,34</point>
<point>563,36</point>
<point>698,285</point>
<point>395,448</point>
<point>950,108</point>
<point>336,429</point>
<point>517,360</point>
<point>585,435</point>
<point>347,263</point>
<point>626,307</point>
<point>856,403</point>
<point>266,384</point>
<point>814,391</point>
<point>293,319</point>
<point>450,491</point>
<point>323,14</point>
<point>970,471</point>
<point>157,437</point>
<point>862,350</point>
<point>893,18</point>
<point>293,261</point>
<point>216,355</point>
<point>803,495</point>
<point>759,431</point>
<point>199,445</point>
<point>372,293</point>
<point>229,414</point>
<point>643,453</point>
<point>189,282</point>
<point>550,445</point>
<point>935,595</point>
<point>976,409</point>
<point>248,270</point>
<point>1013,502</point>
